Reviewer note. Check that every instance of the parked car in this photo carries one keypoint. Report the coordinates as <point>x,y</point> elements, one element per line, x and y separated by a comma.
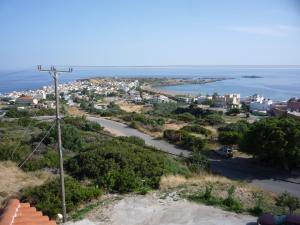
<point>225,151</point>
<point>269,219</point>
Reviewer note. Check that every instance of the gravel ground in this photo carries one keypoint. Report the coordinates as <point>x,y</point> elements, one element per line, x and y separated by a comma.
<point>151,210</point>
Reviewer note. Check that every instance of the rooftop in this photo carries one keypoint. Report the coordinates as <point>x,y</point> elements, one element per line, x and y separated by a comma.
<point>26,97</point>
<point>16,213</point>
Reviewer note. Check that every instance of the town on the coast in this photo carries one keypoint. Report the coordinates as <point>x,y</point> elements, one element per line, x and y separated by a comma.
<point>106,90</point>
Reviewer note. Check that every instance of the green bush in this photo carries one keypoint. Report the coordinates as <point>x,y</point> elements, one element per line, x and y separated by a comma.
<point>48,160</point>
<point>186,117</point>
<point>122,166</point>
<point>198,163</point>
<point>286,200</point>
<point>212,119</point>
<point>132,139</point>
<point>70,135</point>
<point>164,109</point>
<point>82,123</point>
<point>240,127</point>
<point>233,112</point>
<point>231,202</point>
<point>26,121</point>
<point>205,197</point>
<point>197,129</point>
<point>47,196</point>
<point>146,120</point>
<point>229,137</point>
<point>184,139</point>
<point>257,209</point>
<point>232,133</point>
<point>15,113</point>
<point>10,150</point>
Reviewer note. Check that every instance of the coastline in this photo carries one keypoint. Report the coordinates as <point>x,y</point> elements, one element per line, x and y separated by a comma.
<point>157,88</point>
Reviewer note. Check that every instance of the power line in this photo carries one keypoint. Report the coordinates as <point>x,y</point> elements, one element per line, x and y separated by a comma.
<point>54,73</point>
<point>36,148</point>
<point>24,133</point>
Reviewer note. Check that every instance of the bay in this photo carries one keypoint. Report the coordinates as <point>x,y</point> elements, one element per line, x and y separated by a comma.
<point>275,82</point>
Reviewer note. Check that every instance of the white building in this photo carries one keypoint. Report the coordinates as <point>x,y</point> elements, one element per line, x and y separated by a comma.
<point>233,100</point>
<point>159,99</point>
<point>262,105</point>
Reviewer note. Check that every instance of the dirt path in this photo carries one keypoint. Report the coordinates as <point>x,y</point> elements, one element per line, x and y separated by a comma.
<point>151,210</point>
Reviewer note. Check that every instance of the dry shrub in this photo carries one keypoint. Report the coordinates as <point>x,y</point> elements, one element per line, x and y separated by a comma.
<point>171,181</point>
<point>13,179</point>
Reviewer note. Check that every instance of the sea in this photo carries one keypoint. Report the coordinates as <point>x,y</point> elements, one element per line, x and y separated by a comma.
<point>279,83</point>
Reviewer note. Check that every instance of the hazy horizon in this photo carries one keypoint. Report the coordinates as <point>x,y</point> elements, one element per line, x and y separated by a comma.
<point>153,33</point>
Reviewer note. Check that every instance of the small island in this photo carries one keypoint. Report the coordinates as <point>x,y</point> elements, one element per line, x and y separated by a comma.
<point>252,76</point>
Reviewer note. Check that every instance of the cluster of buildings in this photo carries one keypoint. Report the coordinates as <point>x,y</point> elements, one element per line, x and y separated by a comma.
<point>144,97</point>
<point>255,103</point>
<point>258,103</point>
<point>127,89</point>
<point>290,108</point>
<point>227,101</point>
<point>41,98</point>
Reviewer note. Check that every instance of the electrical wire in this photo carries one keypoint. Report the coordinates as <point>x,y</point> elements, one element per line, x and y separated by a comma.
<point>36,148</point>
<point>24,133</point>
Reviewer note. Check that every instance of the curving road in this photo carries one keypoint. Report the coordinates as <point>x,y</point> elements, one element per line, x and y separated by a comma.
<point>235,168</point>
<point>120,129</point>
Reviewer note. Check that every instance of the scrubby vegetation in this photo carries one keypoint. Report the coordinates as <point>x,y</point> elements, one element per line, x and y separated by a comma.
<point>185,140</point>
<point>122,166</point>
<point>232,133</point>
<point>17,113</point>
<point>150,123</point>
<point>47,196</point>
<point>229,203</point>
<point>286,200</point>
<point>82,123</point>
<point>127,164</point>
<point>19,137</point>
<point>197,129</point>
<point>164,109</point>
<point>198,163</point>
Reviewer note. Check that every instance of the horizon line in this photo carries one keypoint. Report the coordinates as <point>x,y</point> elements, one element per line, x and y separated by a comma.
<point>157,66</point>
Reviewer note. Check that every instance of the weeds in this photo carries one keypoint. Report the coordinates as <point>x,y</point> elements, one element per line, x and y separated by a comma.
<point>230,203</point>
<point>257,209</point>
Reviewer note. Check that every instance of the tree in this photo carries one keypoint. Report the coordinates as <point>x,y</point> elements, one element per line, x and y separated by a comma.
<point>275,141</point>
<point>229,137</point>
<point>233,111</point>
<point>287,200</point>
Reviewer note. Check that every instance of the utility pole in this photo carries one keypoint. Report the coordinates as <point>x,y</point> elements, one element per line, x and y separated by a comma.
<point>54,73</point>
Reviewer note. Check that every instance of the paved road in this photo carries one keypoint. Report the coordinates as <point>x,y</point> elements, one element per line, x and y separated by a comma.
<point>236,168</point>
<point>121,129</point>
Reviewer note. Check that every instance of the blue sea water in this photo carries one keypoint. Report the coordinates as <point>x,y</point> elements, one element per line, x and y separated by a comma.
<point>278,83</point>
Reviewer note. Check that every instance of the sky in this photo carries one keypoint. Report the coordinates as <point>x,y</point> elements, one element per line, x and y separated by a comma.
<point>149,33</point>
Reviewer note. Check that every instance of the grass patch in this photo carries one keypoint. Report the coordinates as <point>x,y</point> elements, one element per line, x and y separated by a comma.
<point>214,190</point>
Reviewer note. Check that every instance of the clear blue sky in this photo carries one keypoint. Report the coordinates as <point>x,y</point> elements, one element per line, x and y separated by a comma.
<point>153,32</point>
